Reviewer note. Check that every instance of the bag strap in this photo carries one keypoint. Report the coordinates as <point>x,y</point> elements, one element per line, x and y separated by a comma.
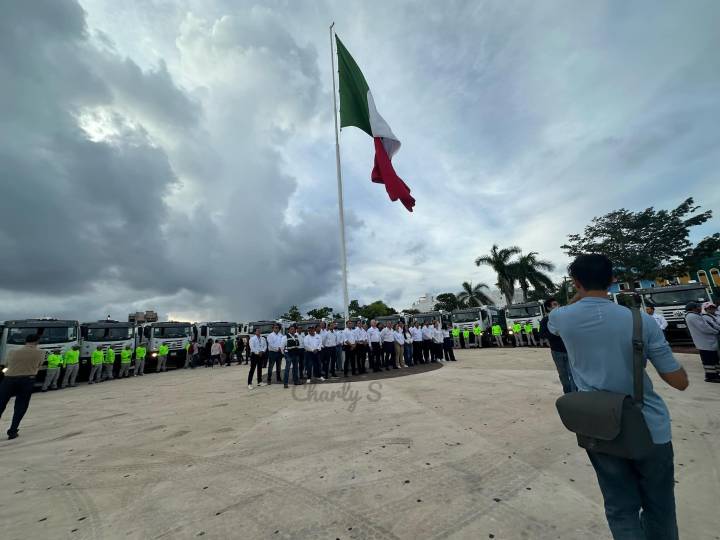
<point>638,358</point>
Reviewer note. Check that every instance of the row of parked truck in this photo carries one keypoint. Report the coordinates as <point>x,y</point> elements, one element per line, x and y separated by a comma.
<point>64,334</point>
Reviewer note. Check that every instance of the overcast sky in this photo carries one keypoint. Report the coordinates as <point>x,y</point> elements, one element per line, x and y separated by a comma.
<point>179,155</point>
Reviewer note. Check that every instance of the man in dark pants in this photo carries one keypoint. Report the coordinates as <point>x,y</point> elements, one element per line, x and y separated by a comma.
<point>598,334</point>
<point>349,346</point>
<point>375,350</point>
<point>276,351</point>
<point>22,367</point>
<point>557,349</point>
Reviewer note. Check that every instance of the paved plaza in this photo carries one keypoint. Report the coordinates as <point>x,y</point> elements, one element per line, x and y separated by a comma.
<point>472,450</point>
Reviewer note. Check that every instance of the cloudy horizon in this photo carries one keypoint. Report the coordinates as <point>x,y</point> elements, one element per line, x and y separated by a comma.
<point>179,155</point>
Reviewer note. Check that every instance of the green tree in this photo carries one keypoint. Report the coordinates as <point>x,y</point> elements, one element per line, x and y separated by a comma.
<point>500,261</point>
<point>472,296</point>
<point>293,314</point>
<point>707,247</point>
<point>354,308</point>
<point>446,302</point>
<point>646,244</point>
<point>528,270</point>
<point>320,313</point>
<point>378,308</point>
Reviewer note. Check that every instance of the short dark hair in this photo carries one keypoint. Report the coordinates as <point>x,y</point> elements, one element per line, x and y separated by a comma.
<point>593,271</point>
<point>549,302</point>
<point>32,338</point>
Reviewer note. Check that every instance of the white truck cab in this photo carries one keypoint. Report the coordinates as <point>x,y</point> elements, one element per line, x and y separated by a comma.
<point>216,330</point>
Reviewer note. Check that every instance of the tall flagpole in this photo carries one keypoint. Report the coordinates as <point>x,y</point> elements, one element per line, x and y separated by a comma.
<point>341,211</point>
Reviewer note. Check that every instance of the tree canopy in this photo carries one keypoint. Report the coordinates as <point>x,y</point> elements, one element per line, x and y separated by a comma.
<point>320,313</point>
<point>646,244</point>
<point>446,302</point>
<point>293,314</point>
<point>378,308</point>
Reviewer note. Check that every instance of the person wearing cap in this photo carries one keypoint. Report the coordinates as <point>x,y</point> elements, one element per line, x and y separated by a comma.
<point>662,323</point>
<point>710,314</point>
<point>705,338</point>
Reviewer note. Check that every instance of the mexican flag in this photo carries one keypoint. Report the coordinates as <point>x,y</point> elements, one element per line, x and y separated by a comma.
<point>357,108</point>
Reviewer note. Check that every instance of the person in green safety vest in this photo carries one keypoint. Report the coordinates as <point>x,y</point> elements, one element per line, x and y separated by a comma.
<point>530,334</point>
<point>140,353</point>
<point>187,355</point>
<point>125,361</point>
<point>108,364</point>
<point>497,335</point>
<point>466,336</point>
<point>517,334</point>
<point>478,335</point>
<point>96,363</point>
<point>71,361</point>
<point>163,351</point>
<point>52,374</point>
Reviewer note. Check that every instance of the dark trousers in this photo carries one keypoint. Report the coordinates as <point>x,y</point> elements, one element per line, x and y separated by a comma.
<point>437,351</point>
<point>360,357</point>
<point>274,358</point>
<point>710,364</point>
<point>256,362</point>
<point>448,351</point>
<point>349,361</point>
<point>407,354</point>
<point>312,363</point>
<point>562,364</point>
<point>638,494</point>
<point>388,354</point>
<point>301,360</point>
<point>375,356</point>
<point>21,388</point>
<point>292,358</point>
<point>417,352</point>
<point>325,360</point>
<point>427,350</point>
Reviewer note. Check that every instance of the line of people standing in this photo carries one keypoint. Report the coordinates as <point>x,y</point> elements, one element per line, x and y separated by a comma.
<point>324,351</point>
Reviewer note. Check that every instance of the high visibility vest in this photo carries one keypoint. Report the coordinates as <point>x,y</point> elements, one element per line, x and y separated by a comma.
<point>140,352</point>
<point>517,328</point>
<point>466,334</point>
<point>477,330</point>
<point>109,356</point>
<point>97,357</point>
<point>456,332</point>
<point>496,330</point>
<point>528,328</point>
<point>163,350</point>
<point>125,356</point>
<point>54,361</point>
<point>71,357</point>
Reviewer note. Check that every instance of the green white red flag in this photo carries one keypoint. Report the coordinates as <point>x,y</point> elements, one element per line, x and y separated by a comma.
<point>357,108</point>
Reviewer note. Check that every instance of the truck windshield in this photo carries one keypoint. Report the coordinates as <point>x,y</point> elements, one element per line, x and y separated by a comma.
<point>676,298</point>
<point>54,334</point>
<point>524,312</point>
<point>264,328</point>
<point>109,334</point>
<point>171,331</point>
<point>466,317</point>
<point>222,330</point>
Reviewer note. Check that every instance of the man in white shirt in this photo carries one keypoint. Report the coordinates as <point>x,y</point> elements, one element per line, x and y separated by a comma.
<point>349,346</point>
<point>437,342</point>
<point>313,345</point>
<point>374,344</point>
<point>417,342</point>
<point>659,319</point>
<point>399,336</point>
<point>258,348</point>
<point>276,350</point>
<point>388,346</point>
<point>327,355</point>
<point>427,336</point>
<point>361,349</point>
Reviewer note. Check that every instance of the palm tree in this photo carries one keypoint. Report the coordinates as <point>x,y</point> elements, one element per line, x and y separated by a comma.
<point>528,270</point>
<point>473,296</point>
<point>499,261</point>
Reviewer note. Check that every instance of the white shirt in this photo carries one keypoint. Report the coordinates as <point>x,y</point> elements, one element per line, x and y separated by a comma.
<point>216,348</point>
<point>329,339</point>
<point>373,335</point>
<point>662,323</point>
<point>349,336</point>
<point>302,340</point>
<point>399,337</point>
<point>437,335</point>
<point>313,343</point>
<point>387,334</point>
<point>427,332</point>
<point>446,333</point>
<point>257,344</point>
<point>361,335</point>
<point>275,341</point>
<point>416,334</point>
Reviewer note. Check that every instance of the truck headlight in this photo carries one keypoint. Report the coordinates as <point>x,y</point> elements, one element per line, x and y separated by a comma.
<point>510,332</point>
<point>154,355</point>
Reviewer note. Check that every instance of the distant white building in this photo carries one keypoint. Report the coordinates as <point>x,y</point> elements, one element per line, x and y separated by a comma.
<point>425,303</point>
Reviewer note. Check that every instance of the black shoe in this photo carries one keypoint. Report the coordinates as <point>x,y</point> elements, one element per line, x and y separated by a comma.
<point>286,386</point>
<point>12,435</point>
<point>716,380</point>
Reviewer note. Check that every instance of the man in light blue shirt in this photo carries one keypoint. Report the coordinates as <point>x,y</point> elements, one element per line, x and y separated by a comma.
<point>639,494</point>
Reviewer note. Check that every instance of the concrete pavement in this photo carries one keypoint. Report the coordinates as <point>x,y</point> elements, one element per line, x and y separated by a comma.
<point>471,450</point>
